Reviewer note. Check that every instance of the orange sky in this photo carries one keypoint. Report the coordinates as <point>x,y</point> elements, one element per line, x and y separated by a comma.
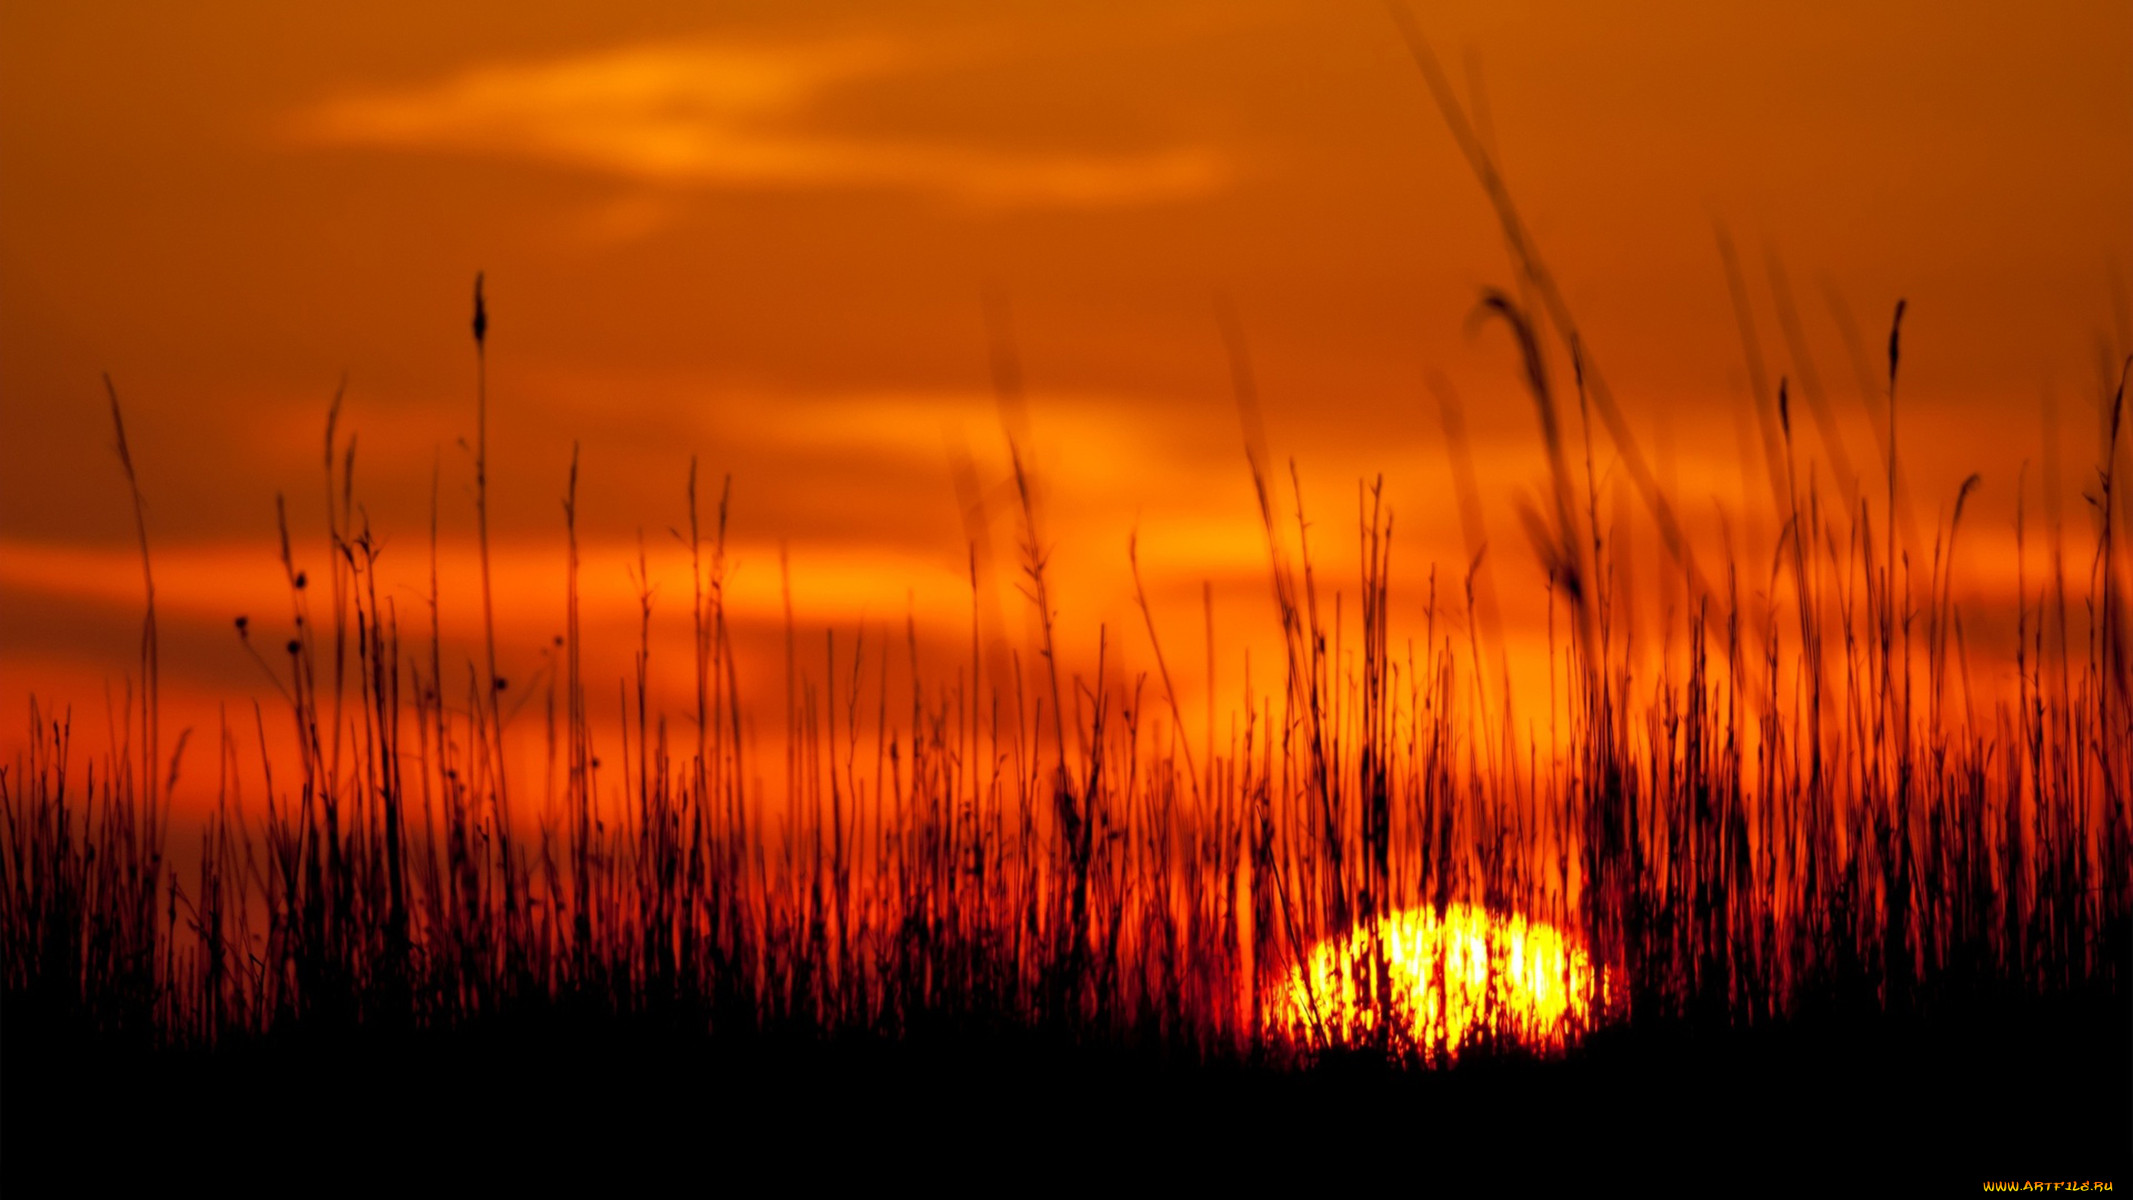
<point>763,237</point>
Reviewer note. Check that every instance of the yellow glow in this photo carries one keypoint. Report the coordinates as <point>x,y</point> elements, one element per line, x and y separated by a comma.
<point>1447,981</point>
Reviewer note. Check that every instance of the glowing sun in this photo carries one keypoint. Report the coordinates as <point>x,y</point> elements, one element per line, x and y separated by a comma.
<point>1443,982</point>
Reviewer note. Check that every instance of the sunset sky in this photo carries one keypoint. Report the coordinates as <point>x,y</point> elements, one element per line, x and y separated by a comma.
<point>764,238</point>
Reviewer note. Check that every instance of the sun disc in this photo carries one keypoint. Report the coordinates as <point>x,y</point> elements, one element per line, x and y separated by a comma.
<point>1440,982</point>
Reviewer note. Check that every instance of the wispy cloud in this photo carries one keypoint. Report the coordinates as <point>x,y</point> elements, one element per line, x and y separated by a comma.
<point>709,114</point>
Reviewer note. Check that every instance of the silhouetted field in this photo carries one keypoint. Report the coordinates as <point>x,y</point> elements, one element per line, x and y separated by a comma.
<point>2023,1091</point>
<point>1814,902</point>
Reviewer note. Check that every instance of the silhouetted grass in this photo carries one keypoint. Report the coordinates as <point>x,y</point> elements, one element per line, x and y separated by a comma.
<point>1733,838</point>
<point>1782,831</point>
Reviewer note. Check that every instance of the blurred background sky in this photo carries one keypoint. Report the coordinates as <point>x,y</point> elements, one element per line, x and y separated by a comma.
<point>761,235</point>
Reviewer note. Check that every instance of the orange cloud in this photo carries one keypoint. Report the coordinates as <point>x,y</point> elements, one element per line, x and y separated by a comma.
<point>707,114</point>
